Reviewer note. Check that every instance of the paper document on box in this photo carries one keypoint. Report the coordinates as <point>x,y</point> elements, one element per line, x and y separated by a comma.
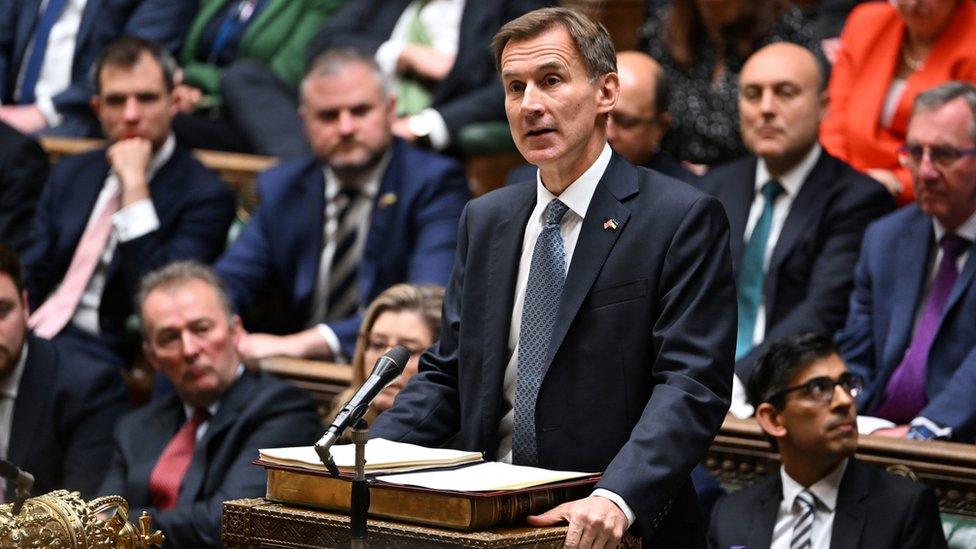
<point>483,477</point>
<point>381,456</point>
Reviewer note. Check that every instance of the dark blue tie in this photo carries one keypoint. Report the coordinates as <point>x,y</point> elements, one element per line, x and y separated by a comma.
<point>547,274</point>
<point>750,283</point>
<point>36,58</point>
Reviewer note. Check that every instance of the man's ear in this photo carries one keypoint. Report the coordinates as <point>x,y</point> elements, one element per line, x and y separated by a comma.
<point>768,418</point>
<point>25,304</point>
<point>608,90</point>
<point>96,105</point>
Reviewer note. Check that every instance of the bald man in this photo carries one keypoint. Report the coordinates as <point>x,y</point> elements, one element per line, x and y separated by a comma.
<point>797,214</point>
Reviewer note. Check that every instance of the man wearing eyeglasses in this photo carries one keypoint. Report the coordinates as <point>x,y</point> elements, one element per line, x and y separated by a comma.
<point>797,213</point>
<point>822,497</point>
<point>910,332</point>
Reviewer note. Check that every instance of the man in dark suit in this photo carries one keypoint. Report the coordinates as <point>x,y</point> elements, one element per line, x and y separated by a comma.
<point>335,230</point>
<point>181,456</point>
<point>107,217</point>
<point>23,169</point>
<point>57,408</point>
<point>47,48</point>
<point>797,213</point>
<point>910,332</point>
<point>572,335</point>
<point>822,496</point>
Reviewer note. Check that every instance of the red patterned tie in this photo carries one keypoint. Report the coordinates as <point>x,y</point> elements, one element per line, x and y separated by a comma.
<point>167,475</point>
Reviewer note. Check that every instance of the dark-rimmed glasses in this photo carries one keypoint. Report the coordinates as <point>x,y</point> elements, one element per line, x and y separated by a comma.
<point>821,389</point>
<point>941,155</point>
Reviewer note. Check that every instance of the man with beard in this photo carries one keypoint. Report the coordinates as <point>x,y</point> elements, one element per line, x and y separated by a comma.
<point>822,496</point>
<point>57,408</point>
<point>334,230</point>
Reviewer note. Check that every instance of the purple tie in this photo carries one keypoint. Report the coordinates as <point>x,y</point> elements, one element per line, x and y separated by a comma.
<point>905,394</point>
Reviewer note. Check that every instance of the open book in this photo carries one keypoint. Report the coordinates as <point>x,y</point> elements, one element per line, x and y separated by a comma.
<point>382,456</point>
<point>489,476</point>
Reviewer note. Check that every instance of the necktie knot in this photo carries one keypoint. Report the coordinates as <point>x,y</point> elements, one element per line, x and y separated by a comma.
<point>771,190</point>
<point>953,245</point>
<point>199,416</point>
<point>555,211</point>
<point>806,501</point>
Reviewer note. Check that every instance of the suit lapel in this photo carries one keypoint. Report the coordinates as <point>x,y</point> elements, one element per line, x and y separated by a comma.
<point>850,511</point>
<point>737,196</point>
<point>503,265</point>
<point>88,17</point>
<point>764,515</point>
<point>962,283</point>
<point>381,218</point>
<point>306,247</point>
<point>25,30</point>
<point>148,446</point>
<point>83,193</point>
<point>619,182</point>
<point>912,265</point>
<point>29,417</point>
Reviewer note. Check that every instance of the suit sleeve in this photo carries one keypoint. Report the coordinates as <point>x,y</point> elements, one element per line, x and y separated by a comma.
<point>856,339</point>
<point>694,336</point>
<point>953,406</point>
<point>824,307</point>
<point>23,172</point>
<point>922,525</point>
<point>426,411</point>
<point>246,267</point>
<point>38,258</point>
<point>288,421</point>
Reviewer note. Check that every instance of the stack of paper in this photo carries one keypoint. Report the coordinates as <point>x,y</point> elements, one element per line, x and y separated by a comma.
<point>483,477</point>
<point>382,456</point>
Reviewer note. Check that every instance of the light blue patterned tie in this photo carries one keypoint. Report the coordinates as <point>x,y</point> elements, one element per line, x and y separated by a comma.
<point>547,274</point>
<point>750,283</point>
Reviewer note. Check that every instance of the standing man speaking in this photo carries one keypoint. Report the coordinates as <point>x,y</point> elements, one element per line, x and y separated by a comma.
<point>589,323</point>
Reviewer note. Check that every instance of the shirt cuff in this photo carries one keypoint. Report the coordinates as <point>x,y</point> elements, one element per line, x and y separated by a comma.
<point>46,105</point>
<point>919,426</point>
<point>387,56</point>
<point>332,340</point>
<point>618,501</point>
<point>440,138</point>
<point>135,220</point>
<point>740,407</point>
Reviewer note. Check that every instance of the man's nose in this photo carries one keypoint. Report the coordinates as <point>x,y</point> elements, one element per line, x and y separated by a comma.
<point>191,346</point>
<point>531,100</point>
<point>346,122</point>
<point>132,110</point>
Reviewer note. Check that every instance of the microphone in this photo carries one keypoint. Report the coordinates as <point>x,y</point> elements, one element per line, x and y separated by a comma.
<point>387,368</point>
<point>23,481</point>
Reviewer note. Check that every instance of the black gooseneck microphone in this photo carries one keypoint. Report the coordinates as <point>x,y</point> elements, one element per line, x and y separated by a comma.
<point>387,368</point>
<point>23,481</point>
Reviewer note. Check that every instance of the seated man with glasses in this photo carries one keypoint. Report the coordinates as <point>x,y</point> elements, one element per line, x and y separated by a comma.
<point>804,399</point>
<point>910,331</point>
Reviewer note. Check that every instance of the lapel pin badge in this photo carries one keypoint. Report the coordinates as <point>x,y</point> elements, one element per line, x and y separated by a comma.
<point>387,199</point>
<point>610,224</point>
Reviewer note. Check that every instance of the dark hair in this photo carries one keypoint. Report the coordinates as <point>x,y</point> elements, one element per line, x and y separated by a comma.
<point>125,52</point>
<point>782,359</point>
<point>683,23</point>
<point>10,265</point>
<point>591,39</point>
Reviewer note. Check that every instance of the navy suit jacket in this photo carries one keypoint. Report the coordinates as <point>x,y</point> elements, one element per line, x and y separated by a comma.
<point>257,411</point>
<point>63,416</point>
<point>891,275</point>
<point>102,21</point>
<point>810,274</point>
<point>412,236</point>
<point>640,361</point>
<point>194,207</point>
<point>875,510</point>
<point>471,91</point>
<point>23,169</point>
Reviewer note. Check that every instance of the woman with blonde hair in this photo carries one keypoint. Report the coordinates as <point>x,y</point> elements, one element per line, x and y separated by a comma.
<point>405,314</point>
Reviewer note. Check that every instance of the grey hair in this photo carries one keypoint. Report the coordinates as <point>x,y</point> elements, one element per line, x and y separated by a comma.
<point>950,91</point>
<point>176,275</point>
<point>332,61</point>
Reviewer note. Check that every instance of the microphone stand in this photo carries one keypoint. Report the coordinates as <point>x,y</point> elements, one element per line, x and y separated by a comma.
<point>359,507</point>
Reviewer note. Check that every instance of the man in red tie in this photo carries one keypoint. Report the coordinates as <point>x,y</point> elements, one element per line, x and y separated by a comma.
<point>181,456</point>
<point>109,216</point>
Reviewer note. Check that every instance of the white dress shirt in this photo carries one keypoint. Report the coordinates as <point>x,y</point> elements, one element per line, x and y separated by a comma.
<point>792,182</point>
<point>442,18</point>
<point>577,198</point>
<point>362,210</point>
<point>825,491</point>
<point>55,75</point>
<point>129,223</point>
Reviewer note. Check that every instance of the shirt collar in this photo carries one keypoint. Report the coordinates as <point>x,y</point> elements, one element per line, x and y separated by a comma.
<point>370,187</point>
<point>11,382</point>
<point>826,489</point>
<point>578,194</point>
<point>792,180</point>
<point>967,230</point>
<point>161,157</point>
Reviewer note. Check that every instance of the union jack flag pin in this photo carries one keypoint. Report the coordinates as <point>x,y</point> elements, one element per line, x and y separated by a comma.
<point>610,224</point>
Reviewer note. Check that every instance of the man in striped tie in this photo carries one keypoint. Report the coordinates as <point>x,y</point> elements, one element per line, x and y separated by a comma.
<point>334,230</point>
<point>822,496</point>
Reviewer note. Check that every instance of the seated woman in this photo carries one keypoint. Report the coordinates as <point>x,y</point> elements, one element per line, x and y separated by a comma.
<point>702,45</point>
<point>405,314</point>
<point>888,55</point>
<point>233,49</point>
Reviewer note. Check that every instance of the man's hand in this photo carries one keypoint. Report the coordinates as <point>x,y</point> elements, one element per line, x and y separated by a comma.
<point>130,159</point>
<point>593,522</point>
<point>24,118</point>
<point>402,130</point>
<point>425,62</point>
<point>186,98</point>
<point>897,432</point>
<point>306,344</point>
